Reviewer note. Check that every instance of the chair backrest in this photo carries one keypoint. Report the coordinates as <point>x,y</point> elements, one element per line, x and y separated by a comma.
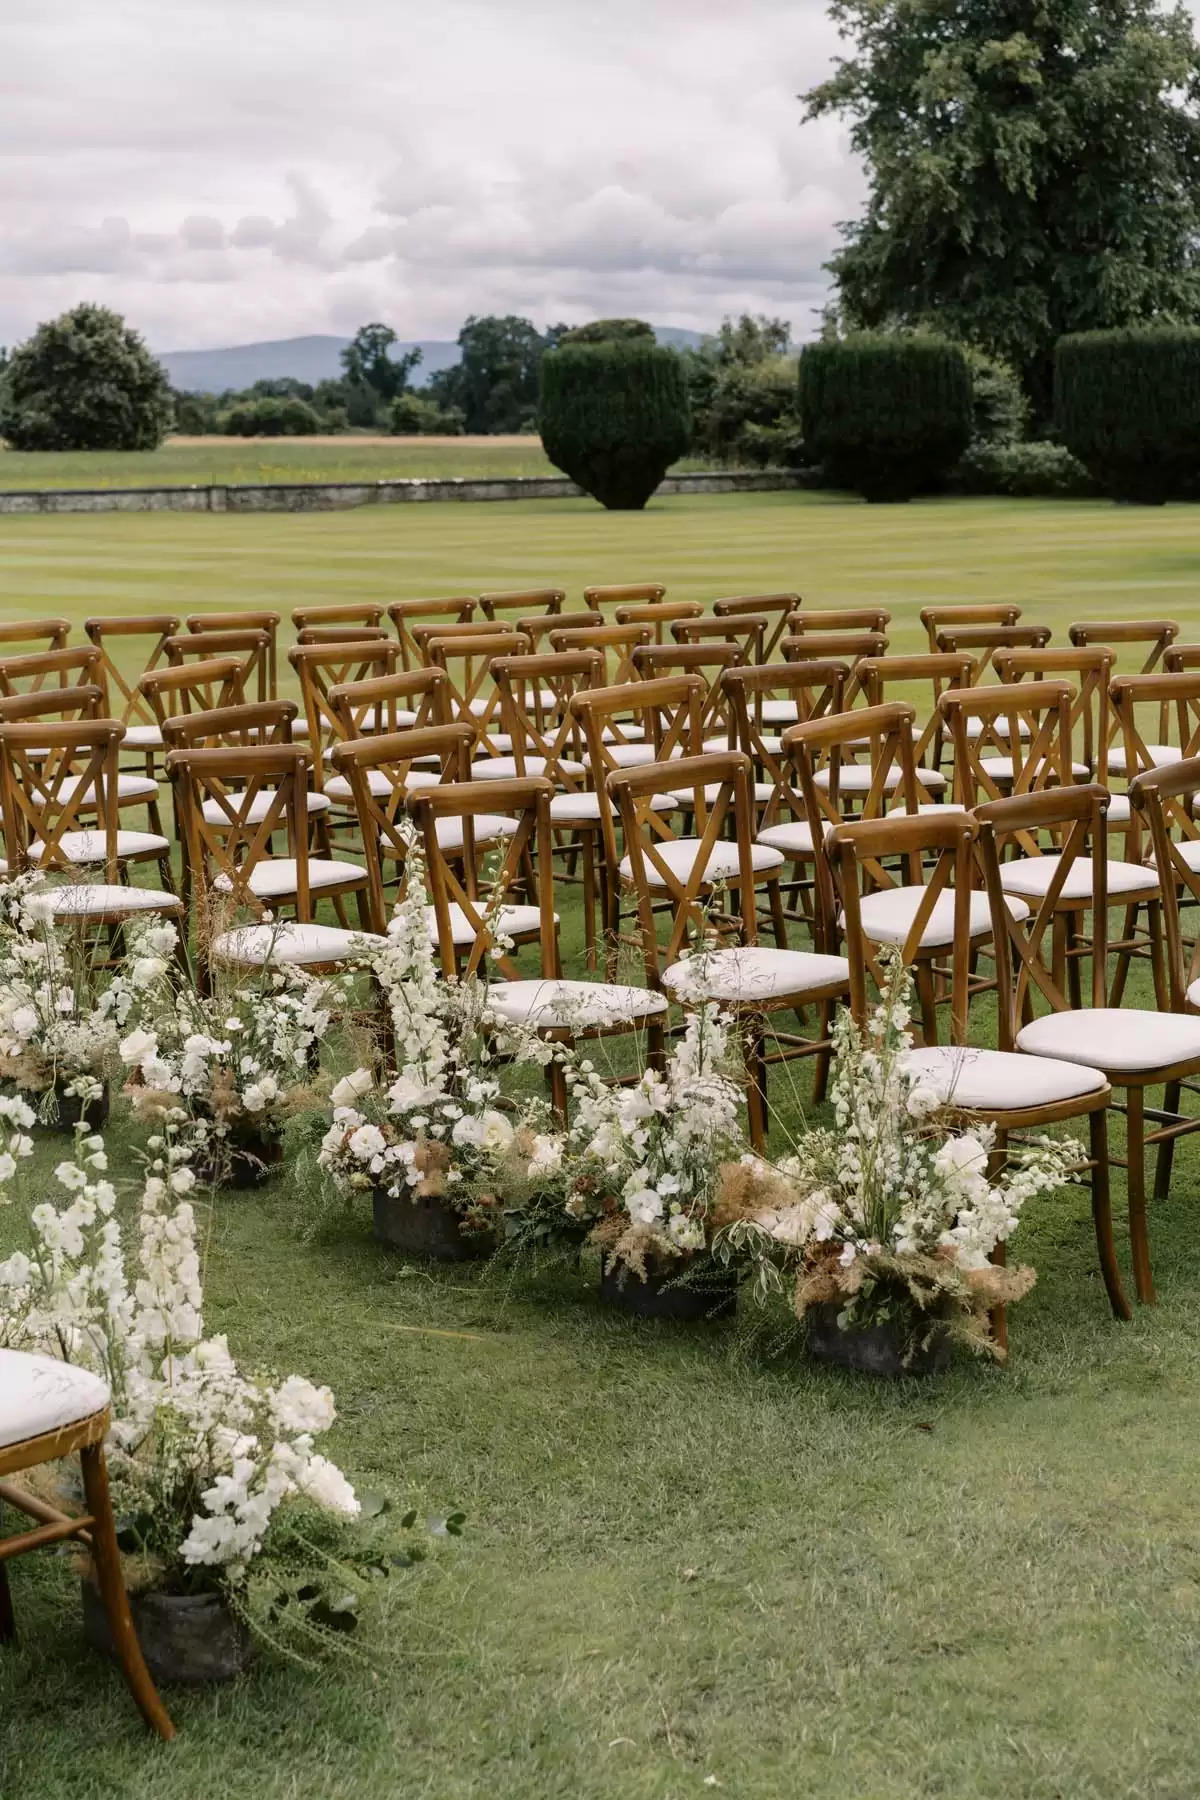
<point>933,851</point>
<point>84,702</point>
<point>983,643</point>
<point>544,601</point>
<point>616,643</point>
<point>1153,636</point>
<point>457,609</point>
<point>1180,659</point>
<point>37,634</point>
<point>816,688</point>
<point>535,710</point>
<point>250,645</point>
<point>666,711</point>
<point>778,608</point>
<point>57,778</point>
<point>627,593</point>
<point>838,646</point>
<point>454,881</point>
<point>425,634</point>
<point>1090,673</point>
<point>75,666</point>
<point>708,660</point>
<point>252,795</point>
<point>719,786</point>
<point>344,634</point>
<point>194,686</point>
<point>132,707</point>
<point>322,667</point>
<point>342,612</point>
<point>1156,721</point>
<point>381,805</point>
<point>256,722</point>
<point>839,618</point>
<point>1076,818</point>
<point>244,621</point>
<point>878,677</point>
<point>538,626</point>
<point>408,699</point>
<point>659,615</point>
<point>954,616</point>
<point>471,694</point>
<point>746,633</point>
<point>1165,802</point>
<point>1009,739</point>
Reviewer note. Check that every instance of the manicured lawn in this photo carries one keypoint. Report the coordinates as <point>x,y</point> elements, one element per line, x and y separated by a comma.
<point>690,1566</point>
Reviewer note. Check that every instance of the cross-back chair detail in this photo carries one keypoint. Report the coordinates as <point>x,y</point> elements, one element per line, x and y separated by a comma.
<point>877,678</point>
<point>187,687</point>
<point>454,609</point>
<point>341,612</point>
<point>840,618</point>
<point>1090,672</point>
<point>935,619</point>
<point>746,633</point>
<point>777,608</point>
<point>545,601</point>
<point>41,671</point>
<point>538,626</point>
<point>204,622</point>
<point>616,643</point>
<point>623,594</point>
<point>320,668</point>
<point>660,615</point>
<point>251,646</point>
<point>38,634</point>
<point>132,708</point>
<point>472,695</point>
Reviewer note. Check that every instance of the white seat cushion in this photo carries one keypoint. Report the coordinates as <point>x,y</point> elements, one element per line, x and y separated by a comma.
<point>1121,1040</point>
<point>628,734</point>
<point>1161,755</point>
<point>1032,875</point>
<point>1001,1081</point>
<point>755,972</point>
<point>856,778</point>
<point>129,787</point>
<point>289,942</point>
<point>679,854</point>
<point>1118,809</point>
<point>276,876</point>
<point>686,796</point>
<point>572,1005</point>
<point>927,809</point>
<point>794,838</point>
<point>338,789</point>
<point>513,921</point>
<point>39,1394</point>
<point>488,828</point>
<point>975,728</point>
<point>89,846</point>
<point>584,808</point>
<point>214,814</point>
<point>494,743</point>
<point>376,718</point>
<point>88,900</point>
<point>633,756</point>
<point>504,768</point>
<point>887,916</point>
<point>142,737</point>
<point>780,712</point>
<point>1000,768</point>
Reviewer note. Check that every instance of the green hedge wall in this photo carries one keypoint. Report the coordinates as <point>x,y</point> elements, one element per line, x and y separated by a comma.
<point>888,415</point>
<point>1127,406</point>
<point>614,417</point>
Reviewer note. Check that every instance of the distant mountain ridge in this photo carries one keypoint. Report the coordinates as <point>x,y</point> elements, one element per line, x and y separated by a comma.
<point>314,359</point>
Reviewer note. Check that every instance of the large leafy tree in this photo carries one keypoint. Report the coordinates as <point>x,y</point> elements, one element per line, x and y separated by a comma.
<point>495,383</point>
<point>370,365</point>
<point>1034,169</point>
<point>84,381</point>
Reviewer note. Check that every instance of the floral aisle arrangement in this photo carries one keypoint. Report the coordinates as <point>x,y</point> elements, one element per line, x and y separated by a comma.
<point>441,1149</point>
<point>883,1223</point>
<point>63,1006</point>
<point>239,1062</point>
<point>215,1471</point>
<point>645,1171</point>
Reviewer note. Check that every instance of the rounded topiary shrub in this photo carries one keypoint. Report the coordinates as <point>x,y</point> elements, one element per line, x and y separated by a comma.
<point>887,415</point>
<point>614,417</point>
<point>1127,405</point>
<point>609,331</point>
<point>84,381</point>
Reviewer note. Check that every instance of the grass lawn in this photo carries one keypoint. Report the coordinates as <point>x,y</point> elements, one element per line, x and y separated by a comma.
<point>690,1566</point>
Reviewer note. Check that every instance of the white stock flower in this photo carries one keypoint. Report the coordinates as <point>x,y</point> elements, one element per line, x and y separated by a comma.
<point>351,1087</point>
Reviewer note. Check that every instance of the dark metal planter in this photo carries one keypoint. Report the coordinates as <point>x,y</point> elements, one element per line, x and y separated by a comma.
<point>427,1226</point>
<point>877,1349</point>
<point>692,1290</point>
<point>69,1110</point>
<point>188,1639</point>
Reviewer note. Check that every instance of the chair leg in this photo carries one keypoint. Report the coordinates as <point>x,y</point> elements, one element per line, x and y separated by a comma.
<point>1165,1159</point>
<point>556,1082</point>
<point>107,1560</point>
<point>756,1085</point>
<point>8,1623</point>
<point>1139,1242</point>
<point>1102,1215</point>
<point>822,1059</point>
<point>778,921</point>
<point>923,973</point>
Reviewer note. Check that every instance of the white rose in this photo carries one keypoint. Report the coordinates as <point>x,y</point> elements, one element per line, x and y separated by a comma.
<point>366,1142</point>
<point>352,1087</point>
<point>137,1046</point>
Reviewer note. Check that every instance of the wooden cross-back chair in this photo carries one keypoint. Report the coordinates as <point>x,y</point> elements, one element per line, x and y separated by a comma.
<point>383,772</point>
<point>1001,1088</point>
<point>1156,721</point>
<point>839,618</point>
<point>339,612</point>
<point>659,615</point>
<point>198,686</point>
<point>472,923</point>
<point>42,671</point>
<point>706,886</point>
<point>548,602</point>
<point>471,694</point>
<point>746,633</point>
<point>616,643</point>
<point>1135,1049</point>
<point>835,646</point>
<point>251,646</point>
<point>665,713</point>
<point>1181,659</point>
<point>424,635</point>
<point>1147,639</point>
<point>983,643</point>
<point>956,615</point>
<point>33,634</point>
<point>50,1410</point>
<point>877,679</point>
<point>344,634</point>
<point>777,608</point>
<point>142,730</point>
<point>455,609</point>
<point>72,702</point>
<point>538,626</point>
<point>229,620</point>
<point>710,661</point>
<point>235,803</point>
<point>1090,673</point>
<point>84,702</point>
<point>401,701</point>
<point>319,668</point>
<point>58,804</point>
<point>628,593</point>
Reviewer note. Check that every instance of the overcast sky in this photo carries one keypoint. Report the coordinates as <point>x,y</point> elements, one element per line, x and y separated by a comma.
<point>227,170</point>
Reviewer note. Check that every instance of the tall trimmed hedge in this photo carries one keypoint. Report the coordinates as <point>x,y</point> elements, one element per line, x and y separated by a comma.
<point>1127,405</point>
<point>614,417</point>
<point>887,415</point>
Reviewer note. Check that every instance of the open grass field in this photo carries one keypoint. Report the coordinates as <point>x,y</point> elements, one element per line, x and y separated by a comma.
<point>691,1567</point>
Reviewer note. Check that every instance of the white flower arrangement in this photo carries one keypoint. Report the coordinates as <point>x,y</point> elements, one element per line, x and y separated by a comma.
<point>893,1212</point>
<point>201,1455</point>
<point>62,1007</point>
<point>645,1160</point>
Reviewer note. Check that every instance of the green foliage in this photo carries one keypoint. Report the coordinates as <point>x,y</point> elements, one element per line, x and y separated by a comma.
<point>614,417</point>
<point>84,381</point>
<point>889,414</point>
<point>495,384</point>
<point>1038,471</point>
<point>999,409</point>
<point>270,417</point>
<point>1127,404</point>
<point>742,391</point>
<point>609,331</point>
<point>414,415</point>
<point>368,362</point>
<point>1033,169</point>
